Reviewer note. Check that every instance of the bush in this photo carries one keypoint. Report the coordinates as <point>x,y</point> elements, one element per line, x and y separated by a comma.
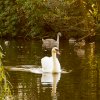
<point>32,18</point>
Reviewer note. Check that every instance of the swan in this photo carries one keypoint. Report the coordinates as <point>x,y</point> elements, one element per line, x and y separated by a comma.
<point>72,41</point>
<point>51,64</point>
<point>80,44</point>
<point>50,43</point>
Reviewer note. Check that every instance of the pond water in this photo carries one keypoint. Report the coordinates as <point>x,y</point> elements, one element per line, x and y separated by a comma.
<point>82,83</point>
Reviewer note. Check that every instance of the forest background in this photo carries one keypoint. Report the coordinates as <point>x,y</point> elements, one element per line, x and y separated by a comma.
<point>45,18</point>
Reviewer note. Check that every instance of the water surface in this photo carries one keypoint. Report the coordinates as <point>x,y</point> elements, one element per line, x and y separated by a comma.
<point>82,83</point>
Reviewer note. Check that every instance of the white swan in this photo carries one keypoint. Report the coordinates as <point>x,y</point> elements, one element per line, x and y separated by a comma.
<point>51,64</point>
<point>50,43</point>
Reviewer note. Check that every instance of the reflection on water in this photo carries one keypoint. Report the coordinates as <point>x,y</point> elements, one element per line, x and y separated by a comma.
<point>82,83</point>
<point>36,87</point>
<point>80,52</point>
<point>51,79</point>
<point>21,52</point>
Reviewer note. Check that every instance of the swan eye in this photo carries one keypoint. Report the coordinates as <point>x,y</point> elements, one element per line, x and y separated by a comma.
<point>57,51</point>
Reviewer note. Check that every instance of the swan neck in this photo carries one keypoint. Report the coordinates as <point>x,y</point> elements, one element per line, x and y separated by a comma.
<point>54,62</point>
<point>43,40</point>
<point>53,56</point>
<point>57,38</point>
<point>58,41</point>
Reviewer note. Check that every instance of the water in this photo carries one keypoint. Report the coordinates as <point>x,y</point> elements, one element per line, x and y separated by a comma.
<point>82,83</point>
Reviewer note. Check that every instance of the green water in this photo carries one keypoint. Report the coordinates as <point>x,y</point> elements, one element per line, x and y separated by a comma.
<point>82,83</point>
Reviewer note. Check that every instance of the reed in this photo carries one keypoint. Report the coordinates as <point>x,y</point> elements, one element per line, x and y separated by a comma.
<point>5,92</point>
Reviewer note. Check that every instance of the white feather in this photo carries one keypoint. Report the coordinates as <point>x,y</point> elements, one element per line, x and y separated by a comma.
<point>51,64</point>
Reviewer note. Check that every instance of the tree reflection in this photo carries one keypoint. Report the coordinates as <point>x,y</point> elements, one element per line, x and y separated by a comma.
<point>90,75</point>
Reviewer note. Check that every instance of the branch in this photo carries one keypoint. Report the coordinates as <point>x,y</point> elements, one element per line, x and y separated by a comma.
<point>90,34</point>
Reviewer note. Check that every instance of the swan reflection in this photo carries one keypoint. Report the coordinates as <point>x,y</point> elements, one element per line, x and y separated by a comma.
<point>80,52</point>
<point>51,79</point>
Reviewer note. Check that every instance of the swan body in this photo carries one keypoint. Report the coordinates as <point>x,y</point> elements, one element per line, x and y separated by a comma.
<point>80,44</point>
<point>72,41</point>
<point>50,43</point>
<point>51,64</point>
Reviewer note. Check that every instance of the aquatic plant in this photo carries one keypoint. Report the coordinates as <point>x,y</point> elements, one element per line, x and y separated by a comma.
<point>5,93</point>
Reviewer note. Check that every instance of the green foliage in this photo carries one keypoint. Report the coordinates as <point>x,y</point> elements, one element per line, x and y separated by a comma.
<point>31,18</point>
<point>5,93</point>
<point>8,18</point>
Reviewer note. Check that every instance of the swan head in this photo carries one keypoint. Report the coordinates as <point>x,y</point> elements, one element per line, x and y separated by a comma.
<point>83,41</point>
<point>55,50</point>
<point>59,33</point>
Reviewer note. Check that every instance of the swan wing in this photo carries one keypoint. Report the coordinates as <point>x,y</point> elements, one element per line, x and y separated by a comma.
<point>49,41</point>
<point>47,64</point>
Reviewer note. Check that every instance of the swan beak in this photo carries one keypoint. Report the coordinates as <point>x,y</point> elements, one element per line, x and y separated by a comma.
<point>58,53</point>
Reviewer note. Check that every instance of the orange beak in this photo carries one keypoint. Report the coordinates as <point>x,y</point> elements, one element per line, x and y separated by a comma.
<point>58,53</point>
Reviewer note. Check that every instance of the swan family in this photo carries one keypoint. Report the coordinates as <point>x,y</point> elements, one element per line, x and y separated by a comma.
<point>52,64</point>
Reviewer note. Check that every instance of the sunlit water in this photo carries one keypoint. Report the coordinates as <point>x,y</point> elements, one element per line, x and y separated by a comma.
<point>82,83</point>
